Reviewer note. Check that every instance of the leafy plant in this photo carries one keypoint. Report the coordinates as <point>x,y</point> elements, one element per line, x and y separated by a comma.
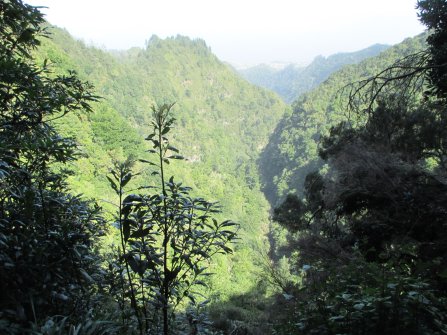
<point>168,237</point>
<point>48,259</point>
<point>371,232</point>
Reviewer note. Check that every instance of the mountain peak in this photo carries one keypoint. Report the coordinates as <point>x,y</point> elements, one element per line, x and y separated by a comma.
<point>179,40</point>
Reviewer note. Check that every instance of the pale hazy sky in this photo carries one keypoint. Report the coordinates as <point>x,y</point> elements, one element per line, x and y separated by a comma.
<point>243,32</point>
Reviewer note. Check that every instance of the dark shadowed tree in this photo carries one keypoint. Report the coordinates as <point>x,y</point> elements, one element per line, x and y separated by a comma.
<point>372,232</point>
<point>47,236</point>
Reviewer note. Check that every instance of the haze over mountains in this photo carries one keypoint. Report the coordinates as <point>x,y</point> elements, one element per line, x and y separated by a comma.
<point>292,80</point>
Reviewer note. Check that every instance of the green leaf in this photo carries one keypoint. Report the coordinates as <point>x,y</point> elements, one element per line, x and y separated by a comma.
<point>137,266</point>
<point>140,233</point>
<point>86,276</point>
<point>201,283</point>
<point>172,148</point>
<point>126,229</point>
<point>26,36</point>
<point>346,296</point>
<point>191,298</point>
<point>149,137</point>
<point>165,130</point>
<point>228,224</point>
<point>127,177</point>
<point>113,185</point>
<point>359,306</point>
<point>132,198</point>
<point>147,162</point>
<point>203,254</point>
<point>336,318</point>
<point>204,303</point>
<point>187,260</point>
<point>176,157</point>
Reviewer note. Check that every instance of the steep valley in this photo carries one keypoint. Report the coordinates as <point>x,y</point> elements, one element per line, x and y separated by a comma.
<point>158,190</point>
<point>240,141</point>
<point>222,125</point>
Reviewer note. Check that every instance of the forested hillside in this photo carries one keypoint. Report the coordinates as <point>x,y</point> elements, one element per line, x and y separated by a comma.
<point>292,151</point>
<point>222,124</point>
<point>292,81</point>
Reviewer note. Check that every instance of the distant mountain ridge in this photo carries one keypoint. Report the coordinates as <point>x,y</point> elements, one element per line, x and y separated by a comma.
<point>293,80</point>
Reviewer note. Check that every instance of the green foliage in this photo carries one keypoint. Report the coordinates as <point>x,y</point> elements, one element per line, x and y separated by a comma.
<point>62,326</point>
<point>167,238</point>
<point>371,232</point>
<point>362,298</point>
<point>48,263</point>
<point>223,123</point>
<point>433,14</point>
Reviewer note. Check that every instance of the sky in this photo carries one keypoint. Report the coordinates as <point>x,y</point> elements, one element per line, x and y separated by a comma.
<point>242,32</point>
